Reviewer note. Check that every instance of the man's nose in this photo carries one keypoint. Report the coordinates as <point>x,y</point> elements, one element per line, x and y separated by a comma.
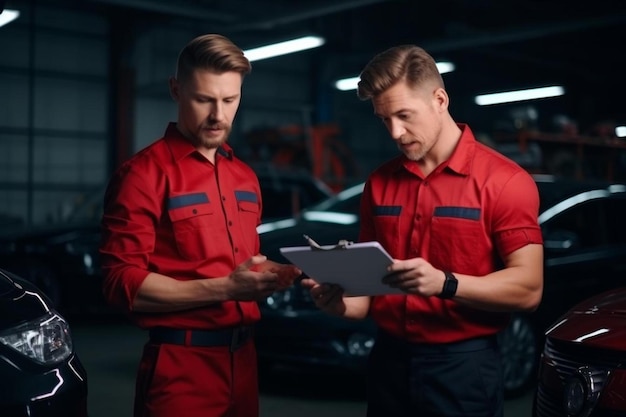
<point>396,130</point>
<point>217,112</point>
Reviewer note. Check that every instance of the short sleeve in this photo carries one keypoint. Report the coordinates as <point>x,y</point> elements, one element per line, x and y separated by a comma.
<point>515,214</point>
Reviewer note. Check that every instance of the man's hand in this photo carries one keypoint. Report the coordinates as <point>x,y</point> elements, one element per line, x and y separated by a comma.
<point>286,273</point>
<point>327,297</point>
<point>415,276</point>
<point>250,282</point>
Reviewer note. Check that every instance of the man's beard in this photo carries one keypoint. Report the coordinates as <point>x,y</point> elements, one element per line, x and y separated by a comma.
<point>416,153</point>
<point>211,142</point>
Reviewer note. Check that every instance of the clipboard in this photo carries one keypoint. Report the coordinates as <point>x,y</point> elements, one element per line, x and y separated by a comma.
<point>357,267</point>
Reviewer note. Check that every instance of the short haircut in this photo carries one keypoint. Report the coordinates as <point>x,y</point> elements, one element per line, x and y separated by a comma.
<point>211,52</point>
<point>408,63</point>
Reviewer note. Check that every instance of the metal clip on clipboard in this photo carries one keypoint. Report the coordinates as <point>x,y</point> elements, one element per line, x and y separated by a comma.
<point>342,244</point>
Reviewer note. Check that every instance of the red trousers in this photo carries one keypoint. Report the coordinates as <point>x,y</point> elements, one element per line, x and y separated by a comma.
<point>189,381</point>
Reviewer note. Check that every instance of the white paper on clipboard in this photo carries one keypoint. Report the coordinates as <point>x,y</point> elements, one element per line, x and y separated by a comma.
<point>357,267</point>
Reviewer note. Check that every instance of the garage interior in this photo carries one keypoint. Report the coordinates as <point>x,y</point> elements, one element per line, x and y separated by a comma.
<point>84,85</point>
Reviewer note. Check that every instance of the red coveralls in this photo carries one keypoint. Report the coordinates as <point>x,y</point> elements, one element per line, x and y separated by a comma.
<point>169,210</point>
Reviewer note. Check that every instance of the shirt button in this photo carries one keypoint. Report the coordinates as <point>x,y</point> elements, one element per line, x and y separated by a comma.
<point>425,183</point>
<point>194,211</point>
<point>223,198</point>
<point>236,250</point>
<point>230,223</point>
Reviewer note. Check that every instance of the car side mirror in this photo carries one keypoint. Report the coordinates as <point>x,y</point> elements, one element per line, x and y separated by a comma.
<point>561,241</point>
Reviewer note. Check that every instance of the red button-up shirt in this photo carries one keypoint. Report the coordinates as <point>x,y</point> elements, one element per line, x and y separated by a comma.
<point>464,217</point>
<point>169,210</point>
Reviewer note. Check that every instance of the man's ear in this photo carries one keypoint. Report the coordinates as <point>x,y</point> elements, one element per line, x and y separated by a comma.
<point>441,98</point>
<point>174,89</point>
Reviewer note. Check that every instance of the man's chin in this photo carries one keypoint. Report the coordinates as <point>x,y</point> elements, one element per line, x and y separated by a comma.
<point>214,141</point>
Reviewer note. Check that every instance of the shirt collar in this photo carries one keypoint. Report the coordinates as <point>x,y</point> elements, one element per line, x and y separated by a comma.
<point>459,161</point>
<point>181,147</point>
<point>461,158</point>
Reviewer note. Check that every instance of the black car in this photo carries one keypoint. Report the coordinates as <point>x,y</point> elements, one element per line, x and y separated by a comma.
<point>41,374</point>
<point>584,229</point>
<point>63,259</point>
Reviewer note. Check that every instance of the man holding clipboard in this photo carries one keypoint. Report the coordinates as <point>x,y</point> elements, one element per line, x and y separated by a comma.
<point>460,222</point>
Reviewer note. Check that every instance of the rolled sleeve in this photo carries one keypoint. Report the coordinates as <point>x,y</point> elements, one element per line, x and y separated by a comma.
<point>516,211</point>
<point>512,240</point>
<point>128,237</point>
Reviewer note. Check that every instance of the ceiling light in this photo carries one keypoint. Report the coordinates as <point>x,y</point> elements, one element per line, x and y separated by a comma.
<point>351,83</point>
<point>620,131</point>
<point>519,95</point>
<point>8,15</point>
<point>346,84</point>
<point>283,48</point>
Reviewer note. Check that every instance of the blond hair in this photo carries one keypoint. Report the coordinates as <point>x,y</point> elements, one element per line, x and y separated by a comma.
<point>211,52</point>
<point>408,63</point>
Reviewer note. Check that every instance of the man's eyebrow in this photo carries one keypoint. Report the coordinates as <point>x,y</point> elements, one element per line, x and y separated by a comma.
<point>395,113</point>
<point>210,97</point>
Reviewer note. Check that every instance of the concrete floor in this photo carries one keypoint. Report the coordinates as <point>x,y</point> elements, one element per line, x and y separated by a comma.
<point>110,352</point>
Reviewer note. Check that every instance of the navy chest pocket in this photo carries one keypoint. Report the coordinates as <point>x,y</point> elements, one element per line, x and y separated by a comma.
<point>386,223</point>
<point>247,201</point>
<point>192,217</point>
<point>468,213</point>
<point>457,239</point>
<point>248,212</point>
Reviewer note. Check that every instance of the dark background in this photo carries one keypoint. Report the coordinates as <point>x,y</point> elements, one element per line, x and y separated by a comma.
<point>84,83</point>
<point>83,86</point>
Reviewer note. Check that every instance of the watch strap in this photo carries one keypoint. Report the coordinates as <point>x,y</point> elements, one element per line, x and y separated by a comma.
<point>449,286</point>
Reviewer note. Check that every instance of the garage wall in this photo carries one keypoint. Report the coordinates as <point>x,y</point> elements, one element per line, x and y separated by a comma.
<point>53,114</point>
<point>57,90</point>
<point>54,133</point>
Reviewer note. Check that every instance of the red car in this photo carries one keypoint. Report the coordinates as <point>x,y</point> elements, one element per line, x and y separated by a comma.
<point>583,365</point>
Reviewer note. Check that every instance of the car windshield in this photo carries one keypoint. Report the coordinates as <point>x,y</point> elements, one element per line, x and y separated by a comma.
<point>552,192</point>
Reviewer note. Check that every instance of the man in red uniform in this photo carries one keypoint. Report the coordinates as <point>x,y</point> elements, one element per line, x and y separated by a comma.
<point>180,251</point>
<point>460,221</point>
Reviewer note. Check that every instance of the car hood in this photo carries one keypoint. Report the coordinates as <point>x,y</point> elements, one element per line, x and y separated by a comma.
<point>598,322</point>
<point>20,301</point>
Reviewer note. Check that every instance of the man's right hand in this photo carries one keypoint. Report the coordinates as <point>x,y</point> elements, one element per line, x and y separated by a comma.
<point>249,285</point>
<point>327,297</point>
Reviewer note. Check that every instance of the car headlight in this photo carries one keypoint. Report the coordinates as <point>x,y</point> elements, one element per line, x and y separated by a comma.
<point>583,389</point>
<point>574,396</point>
<point>45,340</point>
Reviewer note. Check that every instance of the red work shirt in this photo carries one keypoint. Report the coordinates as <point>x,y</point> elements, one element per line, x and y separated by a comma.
<point>169,210</point>
<point>464,217</point>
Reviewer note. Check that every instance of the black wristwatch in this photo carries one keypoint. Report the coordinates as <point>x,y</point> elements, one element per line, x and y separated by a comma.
<point>449,286</point>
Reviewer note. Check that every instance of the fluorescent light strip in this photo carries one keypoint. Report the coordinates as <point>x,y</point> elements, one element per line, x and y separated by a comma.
<point>519,95</point>
<point>8,15</point>
<point>283,48</point>
<point>620,131</point>
<point>351,83</point>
